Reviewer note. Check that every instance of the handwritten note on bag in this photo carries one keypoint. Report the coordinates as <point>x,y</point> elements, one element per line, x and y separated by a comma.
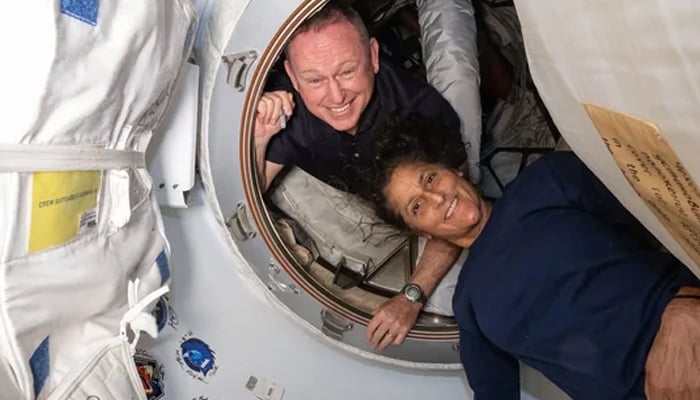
<point>654,170</point>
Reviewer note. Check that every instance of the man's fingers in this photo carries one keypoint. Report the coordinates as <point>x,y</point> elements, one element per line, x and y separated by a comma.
<point>286,102</point>
<point>261,109</point>
<point>281,101</point>
<point>398,339</point>
<point>288,105</point>
<point>377,330</point>
<point>386,340</point>
<point>372,326</point>
<point>274,114</point>
<point>265,108</point>
<point>386,334</point>
<point>378,336</point>
<point>269,107</point>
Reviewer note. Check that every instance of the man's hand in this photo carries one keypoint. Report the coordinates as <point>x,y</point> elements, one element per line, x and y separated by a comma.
<point>673,363</point>
<point>392,321</point>
<point>271,106</point>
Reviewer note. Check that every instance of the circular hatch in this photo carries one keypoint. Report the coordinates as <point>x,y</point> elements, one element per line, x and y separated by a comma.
<point>333,292</point>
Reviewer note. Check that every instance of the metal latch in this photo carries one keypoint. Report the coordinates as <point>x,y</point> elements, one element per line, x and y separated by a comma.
<point>238,66</point>
<point>239,225</point>
<point>334,325</point>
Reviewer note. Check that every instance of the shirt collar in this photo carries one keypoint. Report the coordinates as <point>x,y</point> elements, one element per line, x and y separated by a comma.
<point>371,113</point>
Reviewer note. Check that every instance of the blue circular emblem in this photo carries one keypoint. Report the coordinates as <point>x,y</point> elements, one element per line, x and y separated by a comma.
<point>198,356</point>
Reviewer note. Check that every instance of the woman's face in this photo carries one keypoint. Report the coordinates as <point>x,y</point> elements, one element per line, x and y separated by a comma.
<point>437,201</point>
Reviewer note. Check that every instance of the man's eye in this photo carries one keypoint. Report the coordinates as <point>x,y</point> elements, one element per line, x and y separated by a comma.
<point>314,81</point>
<point>347,73</point>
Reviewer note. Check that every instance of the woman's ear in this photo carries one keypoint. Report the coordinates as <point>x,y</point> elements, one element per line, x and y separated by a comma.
<point>459,173</point>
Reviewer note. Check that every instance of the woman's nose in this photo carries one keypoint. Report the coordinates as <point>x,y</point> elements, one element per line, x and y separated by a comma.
<point>435,198</point>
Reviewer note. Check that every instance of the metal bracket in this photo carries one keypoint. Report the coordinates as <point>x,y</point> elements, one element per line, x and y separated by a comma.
<point>334,325</point>
<point>238,66</point>
<point>239,225</point>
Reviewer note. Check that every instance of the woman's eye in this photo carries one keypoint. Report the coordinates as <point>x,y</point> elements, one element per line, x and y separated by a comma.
<point>430,178</point>
<point>415,207</point>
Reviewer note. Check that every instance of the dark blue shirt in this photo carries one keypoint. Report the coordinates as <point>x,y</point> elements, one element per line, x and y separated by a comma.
<point>343,160</point>
<point>564,279</point>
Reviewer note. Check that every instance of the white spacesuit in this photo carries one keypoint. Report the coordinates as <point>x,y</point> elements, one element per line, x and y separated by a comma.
<point>83,251</point>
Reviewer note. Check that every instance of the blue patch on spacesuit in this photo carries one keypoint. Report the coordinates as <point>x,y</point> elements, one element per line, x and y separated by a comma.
<point>198,356</point>
<point>83,10</point>
<point>160,313</point>
<point>163,267</point>
<point>39,364</point>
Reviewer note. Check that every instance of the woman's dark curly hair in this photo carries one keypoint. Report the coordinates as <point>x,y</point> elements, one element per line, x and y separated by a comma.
<point>407,140</point>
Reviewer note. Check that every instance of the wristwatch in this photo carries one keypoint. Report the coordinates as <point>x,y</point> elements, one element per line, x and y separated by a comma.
<point>414,293</point>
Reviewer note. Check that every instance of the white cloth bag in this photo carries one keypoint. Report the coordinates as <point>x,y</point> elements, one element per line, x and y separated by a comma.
<point>448,37</point>
<point>82,250</point>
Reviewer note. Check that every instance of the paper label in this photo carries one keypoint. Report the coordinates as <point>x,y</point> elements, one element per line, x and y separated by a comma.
<point>64,205</point>
<point>264,389</point>
<point>655,172</point>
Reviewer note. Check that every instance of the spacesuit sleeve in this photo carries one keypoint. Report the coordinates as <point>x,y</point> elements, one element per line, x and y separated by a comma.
<point>492,374</point>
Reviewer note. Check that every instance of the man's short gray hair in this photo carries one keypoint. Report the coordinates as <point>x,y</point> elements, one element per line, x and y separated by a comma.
<point>332,12</point>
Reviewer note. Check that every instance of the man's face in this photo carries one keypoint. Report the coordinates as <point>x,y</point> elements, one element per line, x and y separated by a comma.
<point>333,70</point>
<point>436,201</point>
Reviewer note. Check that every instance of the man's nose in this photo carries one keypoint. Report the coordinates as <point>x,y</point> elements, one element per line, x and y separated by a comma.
<point>337,93</point>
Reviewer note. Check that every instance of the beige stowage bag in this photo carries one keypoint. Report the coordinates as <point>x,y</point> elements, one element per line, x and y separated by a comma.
<point>621,81</point>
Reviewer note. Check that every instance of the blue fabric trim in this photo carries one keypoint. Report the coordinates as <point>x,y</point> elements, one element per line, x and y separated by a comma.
<point>163,267</point>
<point>83,10</point>
<point>39,364</point>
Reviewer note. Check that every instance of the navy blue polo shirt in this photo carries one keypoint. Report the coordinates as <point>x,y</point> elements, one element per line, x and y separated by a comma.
<point>343,160</point>
<point>563,279</point>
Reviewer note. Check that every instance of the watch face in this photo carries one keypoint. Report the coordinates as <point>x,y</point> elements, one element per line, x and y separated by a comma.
<point>413,293</point>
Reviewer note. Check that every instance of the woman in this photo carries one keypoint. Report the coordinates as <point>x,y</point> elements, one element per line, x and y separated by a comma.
<point>560,276</point>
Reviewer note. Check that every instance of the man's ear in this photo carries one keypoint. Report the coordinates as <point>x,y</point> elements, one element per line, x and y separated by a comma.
<point>290,74</point>
<point>374,54</point>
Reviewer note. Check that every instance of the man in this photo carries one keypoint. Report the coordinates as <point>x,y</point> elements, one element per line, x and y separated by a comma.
<point>336,97</point>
